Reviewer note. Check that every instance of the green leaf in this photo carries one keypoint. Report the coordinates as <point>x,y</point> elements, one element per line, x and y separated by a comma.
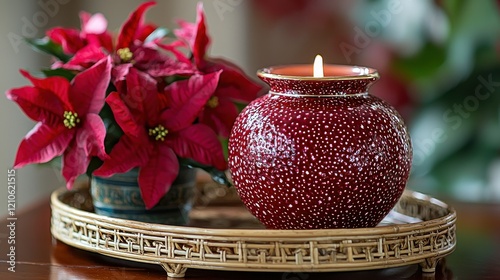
<point>225,143</point>
<point>423,65</point>
<point>107,114</point>
<point>113,130</point>
<point>240,106</point>
<point>159,33</point>
<point>95,163</point>
<point>217,175</point>
<point>68,74</point>
<point>47,46</point>
<point>172,79</point>
<point>111,88</point>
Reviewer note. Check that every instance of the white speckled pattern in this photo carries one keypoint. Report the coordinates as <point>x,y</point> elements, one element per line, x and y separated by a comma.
<point>311,162</point>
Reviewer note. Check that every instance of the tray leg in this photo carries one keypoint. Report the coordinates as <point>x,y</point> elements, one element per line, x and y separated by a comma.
<point>174,270</point>
<point>429,265</point>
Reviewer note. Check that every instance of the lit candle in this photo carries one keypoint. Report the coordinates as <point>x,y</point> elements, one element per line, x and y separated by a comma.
<point>318,67</point>
<point>288,133</point>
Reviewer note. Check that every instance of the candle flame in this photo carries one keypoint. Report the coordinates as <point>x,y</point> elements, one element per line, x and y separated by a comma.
<point>318,67</point>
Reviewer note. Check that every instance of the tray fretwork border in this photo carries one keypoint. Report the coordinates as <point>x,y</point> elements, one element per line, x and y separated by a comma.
<point>178,248</point>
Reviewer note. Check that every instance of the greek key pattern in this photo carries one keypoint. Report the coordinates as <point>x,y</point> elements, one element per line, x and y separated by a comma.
<point>319,250</point>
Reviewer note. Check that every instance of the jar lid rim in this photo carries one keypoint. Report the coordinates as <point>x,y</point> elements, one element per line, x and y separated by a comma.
<point>348,72</point>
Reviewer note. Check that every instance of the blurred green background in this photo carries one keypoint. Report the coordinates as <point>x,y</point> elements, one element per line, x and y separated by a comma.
<point>440,67</point>
<point>446,53</point>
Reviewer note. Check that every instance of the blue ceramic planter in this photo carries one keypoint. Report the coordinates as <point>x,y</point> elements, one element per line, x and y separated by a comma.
<point>119,196</point>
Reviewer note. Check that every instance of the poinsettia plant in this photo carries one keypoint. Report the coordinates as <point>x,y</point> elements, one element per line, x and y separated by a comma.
<point>150,99</point>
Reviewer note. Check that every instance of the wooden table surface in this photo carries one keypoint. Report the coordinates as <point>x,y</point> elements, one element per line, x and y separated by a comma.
<point>39,256</point>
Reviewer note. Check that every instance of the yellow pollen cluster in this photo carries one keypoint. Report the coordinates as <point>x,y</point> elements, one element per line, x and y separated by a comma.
<point>70,119</point>
<point>158,132</point>
<point>213,102</point>
<point>125,54</point>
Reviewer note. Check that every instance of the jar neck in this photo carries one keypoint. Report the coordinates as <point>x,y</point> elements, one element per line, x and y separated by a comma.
<point>339,80</point>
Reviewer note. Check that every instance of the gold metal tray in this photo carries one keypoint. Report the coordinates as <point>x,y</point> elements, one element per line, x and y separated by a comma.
<point>228,237</point>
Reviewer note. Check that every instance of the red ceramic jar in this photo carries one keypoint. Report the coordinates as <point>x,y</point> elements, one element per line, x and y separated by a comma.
<point>319,152</point>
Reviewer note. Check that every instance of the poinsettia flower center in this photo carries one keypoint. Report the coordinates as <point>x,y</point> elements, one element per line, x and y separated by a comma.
<point>213,102</point>
<point>158,133</point>
<point>125,54</point>
<point>70,119</point>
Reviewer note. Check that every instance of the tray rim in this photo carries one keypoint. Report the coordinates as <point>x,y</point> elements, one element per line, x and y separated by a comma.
<point>306,233</point>
<point>176,267</point>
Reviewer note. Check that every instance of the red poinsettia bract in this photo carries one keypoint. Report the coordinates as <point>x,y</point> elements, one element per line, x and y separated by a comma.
<point>68,120</point>
<point>131,49</point>
<point>171,101</point>
<point>93,32</point>
<point>234,86</point>
<point>154,137</point>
